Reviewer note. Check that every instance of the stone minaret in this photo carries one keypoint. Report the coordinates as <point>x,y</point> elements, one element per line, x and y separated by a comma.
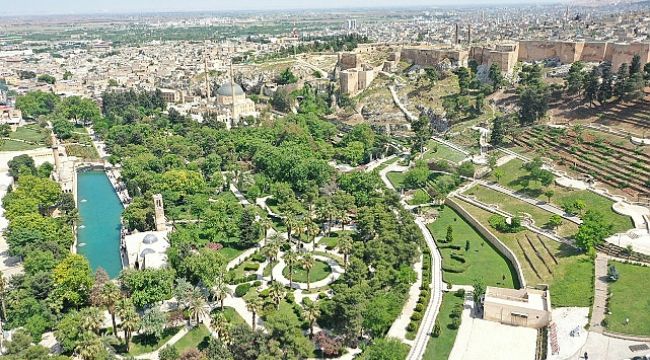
<point>456,36</point>
<point>159,211</point>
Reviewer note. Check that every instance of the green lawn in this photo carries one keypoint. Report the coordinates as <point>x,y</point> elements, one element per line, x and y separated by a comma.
<point>333,240</point>
<point>517,207</point>
<point>481,261</point>
<point>319,272</point>
<point>142,344</point>
<point>514,177</point>
<point>570,279</point>
<point>630,299</point>
<point>32,133</point>
<point>386,164</point>
<point>419,197</point>
<point>396,178</point>
<point>230,253</point>
<point>11,145</point>
<point>439,348</point>
<point>231,315</point>
<point>195,338</point>
<point>442,152</point>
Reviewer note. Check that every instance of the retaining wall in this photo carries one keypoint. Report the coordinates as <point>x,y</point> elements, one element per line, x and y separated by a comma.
<point>491,238</point>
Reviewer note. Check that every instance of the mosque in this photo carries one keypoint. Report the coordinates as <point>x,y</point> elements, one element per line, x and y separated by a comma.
<point>232,104</point>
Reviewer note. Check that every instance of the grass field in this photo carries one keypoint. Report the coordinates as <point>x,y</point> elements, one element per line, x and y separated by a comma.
<point>442,152</point>
<point>32,133</point>
<point>386,164</point>
<point>11,145</point>
<point>196,338</point>
<point>629,299</point>
<point>482,260</point>
<point>231,315</point>
<point>396,178</point>
<point>439,348</point>
<point>230,253</point>
<point>517,207</point>
<point>514,177</point>
<point>143,344</point>
<point>570,279</point>
<point>319,272</point>
<point>419,197</point>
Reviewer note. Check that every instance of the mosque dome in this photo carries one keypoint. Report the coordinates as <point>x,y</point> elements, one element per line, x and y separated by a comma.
<point>226,90</point>
<point>147,252</point>
<point>150,239</point>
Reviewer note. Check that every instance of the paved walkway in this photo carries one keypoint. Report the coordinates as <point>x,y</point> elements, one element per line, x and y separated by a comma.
<point>431,313</point>
<point>173,340</point>
<point>600,295</point>
<point>398,329</point>
<point>337,271</point>
<point>450,144</point>
<point>401,106</point>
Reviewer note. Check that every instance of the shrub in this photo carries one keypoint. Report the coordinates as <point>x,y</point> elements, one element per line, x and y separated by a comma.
<point>436,329</point>
<point>460,293</point>
<point>457,257</point>
<point>290,297</point>
<point>257,257</point>
<point>257,283</point>
<point>419,307</point>
<point>411,326</point>
<point>455,323</point>
<point>242,290</point>
<point>416,316</point>
<point>322,296</point>
<point>251,266</point>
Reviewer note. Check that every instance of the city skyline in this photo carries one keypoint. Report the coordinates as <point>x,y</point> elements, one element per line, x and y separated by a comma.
<point>77,7</point>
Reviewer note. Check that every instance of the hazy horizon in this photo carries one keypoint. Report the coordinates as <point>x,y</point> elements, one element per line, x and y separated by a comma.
<point>80,7</point>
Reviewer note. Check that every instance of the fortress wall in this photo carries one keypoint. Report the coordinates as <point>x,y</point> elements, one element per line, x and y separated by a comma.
<point>533,50</point>
<point>567,52</point>
<point>594,51</point>
<point>431,57</point>
<point>623,53</point>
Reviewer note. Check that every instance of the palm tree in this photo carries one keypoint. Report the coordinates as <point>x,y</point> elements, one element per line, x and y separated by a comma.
<point>3,294</point>
<point>266,224</point>
<point>92,320</point>
<point>89,346</point>
<point>345,247</point>
<point>109,296</point>
<point>313,230</point>
<point>307,264</point>
<point>291,259</point>
<point>290,221</point>
<point>220,325</point>
<point>326,212</point>
<point>197,306</point>
<point>277,293</point>
<point>299,230</point>
<point>220,290</point>
<point>254,305</point>
<point>270,251</point>
<point>311,312</point>
<point>130,320</point>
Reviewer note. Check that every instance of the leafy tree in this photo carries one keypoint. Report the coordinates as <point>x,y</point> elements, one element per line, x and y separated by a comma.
<point>423,132</point>
<point>575,78</point>
<point>606,86</point>
<point>464,79</point>
<point>63,128</point>
<point>47,78</point>
<point>385,349</point>
<point>479,290</point>
<point>153,323</point>
<point>169,352</point>
<point>431,75</point>
<point>285,329</point>
<point>496,77</point>
<point>593,230</point>
<point>36,103</point>
<point>147,287</point>
<point>287,77</point>
<point>72,281</point>
<point>554,221</point>
<point>77,108</point>
<point>217,350</point>
<point>417,177</point>
<point>248,228</point>
<point>68,331</point>
<point>621,90</point>
<point>449,238</point>
<point>282,100</point>
<point>21,165</point>
<point>591,86</point>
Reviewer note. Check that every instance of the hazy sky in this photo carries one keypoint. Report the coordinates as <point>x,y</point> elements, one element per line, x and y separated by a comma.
<point>40,7</point>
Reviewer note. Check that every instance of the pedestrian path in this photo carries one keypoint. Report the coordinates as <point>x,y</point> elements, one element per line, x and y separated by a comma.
<point>398,329</point>
<point>600,295</point>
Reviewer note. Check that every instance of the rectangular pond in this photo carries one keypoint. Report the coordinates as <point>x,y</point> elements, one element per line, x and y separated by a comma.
<point>98,233</point>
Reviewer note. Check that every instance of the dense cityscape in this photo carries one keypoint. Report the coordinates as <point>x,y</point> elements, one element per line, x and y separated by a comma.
<point>448,181</point>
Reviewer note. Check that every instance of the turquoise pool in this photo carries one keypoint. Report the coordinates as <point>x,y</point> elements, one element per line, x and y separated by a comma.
<point>98,234</point>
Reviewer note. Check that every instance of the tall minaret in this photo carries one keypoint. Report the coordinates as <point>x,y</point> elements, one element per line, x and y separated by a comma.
<point>232,88</point>
<point>207,82</point>
<point>159,213</point>
<point>469,34</point>
<point>456,36</point>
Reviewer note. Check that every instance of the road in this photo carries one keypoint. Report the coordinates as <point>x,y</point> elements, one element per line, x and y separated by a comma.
<point>429,319</point>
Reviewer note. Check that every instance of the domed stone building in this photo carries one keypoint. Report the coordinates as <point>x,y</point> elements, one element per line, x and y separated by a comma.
<point>233,105</point>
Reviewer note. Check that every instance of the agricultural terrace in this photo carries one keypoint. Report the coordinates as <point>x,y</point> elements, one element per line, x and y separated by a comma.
<point>514,176</point>
<point>568,272</point>
<point>618,164</point>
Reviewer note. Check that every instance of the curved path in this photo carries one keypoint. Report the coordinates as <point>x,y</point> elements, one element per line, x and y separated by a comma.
<point>337,271</point>
<point>429,319</point>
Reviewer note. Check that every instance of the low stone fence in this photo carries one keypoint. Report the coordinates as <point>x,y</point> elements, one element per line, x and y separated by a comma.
<point>491,238</point>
